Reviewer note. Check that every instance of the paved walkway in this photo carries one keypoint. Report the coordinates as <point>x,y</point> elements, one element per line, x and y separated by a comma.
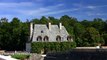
<point>2,57</point>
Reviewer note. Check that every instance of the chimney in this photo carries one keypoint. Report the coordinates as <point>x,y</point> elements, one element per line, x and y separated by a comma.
<point>49,26</point>
<point>31,30</point>
<point>60,25</point>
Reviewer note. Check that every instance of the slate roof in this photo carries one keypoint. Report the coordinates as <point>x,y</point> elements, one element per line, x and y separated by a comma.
<point>43,30</point>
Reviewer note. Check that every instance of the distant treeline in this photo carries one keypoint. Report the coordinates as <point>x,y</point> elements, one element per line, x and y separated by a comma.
<point>14,34</point>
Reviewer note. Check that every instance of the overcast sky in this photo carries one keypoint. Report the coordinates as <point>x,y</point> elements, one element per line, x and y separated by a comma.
<point>29,9</point>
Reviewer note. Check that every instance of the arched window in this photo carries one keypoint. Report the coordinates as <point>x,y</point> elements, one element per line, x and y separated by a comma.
<point>58,38</point>
<point>39,38</point>
<point>69,38</point>
<point>46,38</point>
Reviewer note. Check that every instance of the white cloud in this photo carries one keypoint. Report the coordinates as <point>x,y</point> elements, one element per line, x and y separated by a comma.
<point>55,6</point>
<point>82,6</point>
<point>95,14</point>
<point>41,10</point>
<point>27,9</point>
<point>13,4</point>
<point>94,7</point>
<point>78,5</point>
<point>91,10</point>
<point>90,7</point>
<point>59,11</point>
<point>32,12</point>
<point>37,0</point>
<point>49,10</point>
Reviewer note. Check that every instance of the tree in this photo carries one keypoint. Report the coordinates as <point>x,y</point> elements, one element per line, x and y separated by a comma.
<point>79,42</point>
<point>79,29</point>
<point>36,21</point>
<point>99,24</point>
<point>53,20</point>
<point>86,23</point>
<point>44,20</point>
<point>105,38</point>
<point>3,20</point>
<point>68,22</point>
<point>65,20</point>
<point>93,36</point>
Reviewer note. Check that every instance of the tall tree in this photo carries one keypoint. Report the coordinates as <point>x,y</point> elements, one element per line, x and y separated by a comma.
<point>99,24</point>
<point>36,21</point>
<point>44,20</point>
<point>86,23</point>
<point>93,36</point>
<point>79,30</point>
<point>53,20</point>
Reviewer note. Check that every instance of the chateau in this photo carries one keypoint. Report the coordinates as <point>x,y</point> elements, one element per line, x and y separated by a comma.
<point>47,33</point>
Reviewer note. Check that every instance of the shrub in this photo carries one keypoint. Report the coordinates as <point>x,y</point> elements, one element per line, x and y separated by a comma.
<point>20,56</point>
<point>36,47</point>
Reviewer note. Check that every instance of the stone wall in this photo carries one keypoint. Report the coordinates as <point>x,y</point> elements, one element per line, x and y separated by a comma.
<point>79,54</point>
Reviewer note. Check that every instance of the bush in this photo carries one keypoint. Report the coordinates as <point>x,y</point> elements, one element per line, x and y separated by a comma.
<point>20,56</point>
<point>36,47</point>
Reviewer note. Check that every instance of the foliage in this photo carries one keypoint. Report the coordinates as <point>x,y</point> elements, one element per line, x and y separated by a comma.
<point>13,35</point>
<point>20,56</point>
<point>52,46</point>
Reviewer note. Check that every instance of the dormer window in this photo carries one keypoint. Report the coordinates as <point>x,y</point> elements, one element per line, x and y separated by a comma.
<point>58,38</point>
<point>46,39</point>
<point>39,38</point>
<point>41,31</point>
<point>69,38</point>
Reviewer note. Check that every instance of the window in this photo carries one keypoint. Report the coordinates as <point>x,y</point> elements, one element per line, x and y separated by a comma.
<point>46,38</point>
<point>69,38</point>
<point>58,38</point>
<point>39,38</point>
<point>41,31</point>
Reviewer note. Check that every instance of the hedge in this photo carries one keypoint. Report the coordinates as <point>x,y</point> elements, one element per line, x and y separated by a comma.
<point>37,47</point>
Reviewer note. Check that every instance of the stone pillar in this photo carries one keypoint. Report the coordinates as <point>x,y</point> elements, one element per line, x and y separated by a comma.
<point>28,47</point>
